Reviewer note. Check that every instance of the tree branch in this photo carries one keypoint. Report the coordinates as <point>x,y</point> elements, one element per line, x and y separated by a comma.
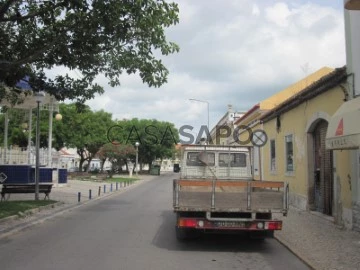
<point>5,8</point>
<point>4,65</point>
<point>27,60</point>
<point>29,16</point>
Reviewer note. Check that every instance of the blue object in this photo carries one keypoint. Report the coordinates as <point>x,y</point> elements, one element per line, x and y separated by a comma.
<point>17,174</point>
<point>62,176</point>
<point>23,84</point>
<point>45,175</point>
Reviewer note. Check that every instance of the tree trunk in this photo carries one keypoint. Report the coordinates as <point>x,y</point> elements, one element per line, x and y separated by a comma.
<point>89,161</point>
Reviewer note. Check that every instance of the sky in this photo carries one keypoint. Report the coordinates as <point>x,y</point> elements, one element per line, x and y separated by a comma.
<point>236,52</point>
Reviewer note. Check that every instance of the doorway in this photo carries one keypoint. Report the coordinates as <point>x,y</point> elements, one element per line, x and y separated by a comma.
<point>323,173</point>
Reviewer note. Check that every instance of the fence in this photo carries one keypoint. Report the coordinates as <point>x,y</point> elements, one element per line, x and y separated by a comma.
<point>19,155</point>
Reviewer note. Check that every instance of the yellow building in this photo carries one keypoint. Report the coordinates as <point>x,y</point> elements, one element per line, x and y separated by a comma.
<point>295,151</point>
<point>250,121</point>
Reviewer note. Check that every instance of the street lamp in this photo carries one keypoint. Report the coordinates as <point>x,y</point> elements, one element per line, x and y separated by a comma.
<point>204,101</point>
<point>58,117</point>
<point>137,157</point>
<point>39,97</point>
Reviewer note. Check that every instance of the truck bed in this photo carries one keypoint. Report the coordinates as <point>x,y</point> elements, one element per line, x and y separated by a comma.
<point>230,196</point>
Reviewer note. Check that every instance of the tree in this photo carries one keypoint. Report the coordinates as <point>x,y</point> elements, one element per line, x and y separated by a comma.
<point>17,132</point>
<point>84,130</point>
<point>117,154</point>
<point>18,129</point>
<point>94,37</point>
<point>157,139</point>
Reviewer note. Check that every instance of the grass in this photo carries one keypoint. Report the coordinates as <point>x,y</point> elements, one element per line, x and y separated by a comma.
<point>121,179</point>
<point>10,208</point>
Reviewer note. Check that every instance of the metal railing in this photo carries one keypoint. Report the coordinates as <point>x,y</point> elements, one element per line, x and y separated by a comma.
<point>19,156</point>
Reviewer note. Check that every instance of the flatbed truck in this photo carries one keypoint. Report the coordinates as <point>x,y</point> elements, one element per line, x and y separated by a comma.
<point>216,192</point>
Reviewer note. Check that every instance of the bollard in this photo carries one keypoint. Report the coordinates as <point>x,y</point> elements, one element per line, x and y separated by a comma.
<point>79,196</point>
<point>99,191</point>
<point>89,194</point>
<point>104,189</point>
<point>117,184</point>
<point>111,187</point>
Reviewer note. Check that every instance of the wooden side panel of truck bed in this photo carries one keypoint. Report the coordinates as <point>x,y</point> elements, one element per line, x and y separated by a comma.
<point>230,196</point>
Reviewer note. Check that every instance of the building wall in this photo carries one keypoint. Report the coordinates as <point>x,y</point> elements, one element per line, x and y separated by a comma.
<point>299,121</point>
<point>270,103</point>
<point>245,140</point>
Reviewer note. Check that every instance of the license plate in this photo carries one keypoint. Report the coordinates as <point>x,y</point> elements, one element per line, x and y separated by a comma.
<point>229,224</point>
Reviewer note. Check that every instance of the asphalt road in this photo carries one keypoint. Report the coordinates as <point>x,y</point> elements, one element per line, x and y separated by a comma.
<point>134,230</point>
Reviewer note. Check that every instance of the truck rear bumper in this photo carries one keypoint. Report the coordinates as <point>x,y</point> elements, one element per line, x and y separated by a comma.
<point>205,224</point>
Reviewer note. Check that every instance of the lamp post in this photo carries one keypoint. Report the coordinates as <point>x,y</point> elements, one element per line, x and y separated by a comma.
<point>39,97</point>
<point>204,101</point>
<point>58,117</point>
<point>137,157</point>
<point>208,110</point>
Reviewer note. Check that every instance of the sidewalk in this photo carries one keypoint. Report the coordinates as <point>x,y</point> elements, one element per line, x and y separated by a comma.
<point>67,196</point>
<point>319,242</point>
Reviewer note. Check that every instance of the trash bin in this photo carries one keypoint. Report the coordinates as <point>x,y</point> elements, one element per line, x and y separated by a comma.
<point>62,176</point>
<point>155,170</point>
<point>176,167</point>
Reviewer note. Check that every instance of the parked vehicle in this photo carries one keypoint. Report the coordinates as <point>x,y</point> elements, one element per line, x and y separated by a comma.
<point>216,192</point>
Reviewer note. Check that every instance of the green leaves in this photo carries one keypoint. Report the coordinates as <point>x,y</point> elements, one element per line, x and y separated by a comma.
<point>93,37</point>
<point>157,139</point>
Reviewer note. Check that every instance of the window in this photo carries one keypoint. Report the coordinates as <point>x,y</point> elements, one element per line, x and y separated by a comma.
<point>289,152</point>
<point>232,160</point>
<point>272,156</point>
<point>200,159</point>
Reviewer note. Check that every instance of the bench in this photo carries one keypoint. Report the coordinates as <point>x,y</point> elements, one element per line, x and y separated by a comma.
<point>25,188</point>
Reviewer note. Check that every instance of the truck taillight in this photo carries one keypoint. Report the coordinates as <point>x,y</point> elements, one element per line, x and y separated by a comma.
<point>187,222</point>
<point>274,225</point>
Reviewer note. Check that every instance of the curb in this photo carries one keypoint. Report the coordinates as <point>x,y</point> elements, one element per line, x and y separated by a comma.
<point>26,224</point>
<point>29,212</point>
<point>296,252</point>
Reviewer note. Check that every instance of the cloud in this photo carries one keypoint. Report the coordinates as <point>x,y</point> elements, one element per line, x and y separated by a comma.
<point>235,52</point>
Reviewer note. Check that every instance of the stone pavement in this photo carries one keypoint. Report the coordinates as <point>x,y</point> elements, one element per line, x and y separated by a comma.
<point>319,242</point>
<point>312,237</point>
